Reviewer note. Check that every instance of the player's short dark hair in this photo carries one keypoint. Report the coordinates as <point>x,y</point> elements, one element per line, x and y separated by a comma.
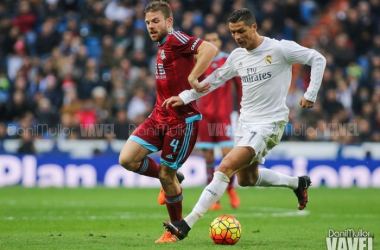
<point>242,15</point>
<point>160,5</point>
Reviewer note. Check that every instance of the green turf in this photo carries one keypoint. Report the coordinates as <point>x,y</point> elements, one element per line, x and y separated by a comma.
<point>120,218</point>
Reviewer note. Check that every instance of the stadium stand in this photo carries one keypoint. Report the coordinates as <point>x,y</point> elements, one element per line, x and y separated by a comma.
<point>68,64</point>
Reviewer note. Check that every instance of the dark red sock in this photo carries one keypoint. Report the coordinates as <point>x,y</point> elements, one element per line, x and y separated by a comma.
<point>148,167</point>
<point>231,184</point>
<point>210,169</point>
<point>174,206</point>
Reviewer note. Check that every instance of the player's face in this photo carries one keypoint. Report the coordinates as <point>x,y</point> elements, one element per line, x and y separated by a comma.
<point>214,39</point>
<point>157,25</point>
<point>243,34</point>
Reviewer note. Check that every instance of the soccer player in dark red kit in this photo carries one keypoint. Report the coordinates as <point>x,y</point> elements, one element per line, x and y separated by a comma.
<point>174,131</point>
<point>216,122</point>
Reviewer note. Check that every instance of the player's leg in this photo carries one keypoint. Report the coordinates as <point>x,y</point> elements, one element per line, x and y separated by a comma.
<point>253,176</point>
<point>236,160</point>
<point>133,157</point>
<point>249,175</point>
<point>225,142</point>
<point>263,139</point>
<point>177,146</point>
<point>161,195</point>
<point>144,141</point>
<point>206,142</point>
<point>248,141</point>
<point>178,143</point>
<point>173,199</point>
<point>231,191</point>
<point>269,177</point>
<point>172,190</point>
<point>208,154</point>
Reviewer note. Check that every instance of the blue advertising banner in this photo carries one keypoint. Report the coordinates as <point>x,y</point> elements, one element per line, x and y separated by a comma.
<point>61,171</point>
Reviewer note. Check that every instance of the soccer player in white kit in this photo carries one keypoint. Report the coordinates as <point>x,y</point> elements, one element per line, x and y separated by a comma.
<point>265,68</point>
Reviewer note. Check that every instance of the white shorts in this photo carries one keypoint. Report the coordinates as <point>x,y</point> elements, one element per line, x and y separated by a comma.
<point>261,137</point>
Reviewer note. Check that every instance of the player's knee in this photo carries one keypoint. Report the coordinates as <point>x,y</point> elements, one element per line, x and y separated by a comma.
<point>165,178</point>
<point>127,162</point>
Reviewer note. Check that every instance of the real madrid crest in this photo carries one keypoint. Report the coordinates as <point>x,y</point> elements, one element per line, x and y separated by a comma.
<point>268,60</point>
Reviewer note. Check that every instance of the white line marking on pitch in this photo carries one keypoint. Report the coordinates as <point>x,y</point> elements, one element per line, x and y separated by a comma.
<point>262,212</point>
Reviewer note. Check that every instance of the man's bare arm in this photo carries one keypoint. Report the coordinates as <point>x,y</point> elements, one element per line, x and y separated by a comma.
<point>206,53</point>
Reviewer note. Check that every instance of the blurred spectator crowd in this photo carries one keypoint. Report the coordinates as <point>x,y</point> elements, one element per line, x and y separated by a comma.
<point>66,63</point>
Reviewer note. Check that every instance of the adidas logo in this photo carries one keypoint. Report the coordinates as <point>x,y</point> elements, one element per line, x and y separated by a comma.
<point>169,156</point>
<point>240,64</point>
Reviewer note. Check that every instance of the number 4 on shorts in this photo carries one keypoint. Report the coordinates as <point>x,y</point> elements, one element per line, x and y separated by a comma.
<point>174,144</point>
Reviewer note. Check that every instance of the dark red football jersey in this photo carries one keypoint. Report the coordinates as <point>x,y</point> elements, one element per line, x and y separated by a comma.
<point>220,102</point>
<point>175,60</point>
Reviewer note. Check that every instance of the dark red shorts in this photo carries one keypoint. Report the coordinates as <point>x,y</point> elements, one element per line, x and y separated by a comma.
<point>175,140</point>
<point>215,130</point>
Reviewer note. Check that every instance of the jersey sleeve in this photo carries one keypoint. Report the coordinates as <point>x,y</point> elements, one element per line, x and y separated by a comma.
<point>184,44</point>
<point>216,79</point>
<point>295,53</point>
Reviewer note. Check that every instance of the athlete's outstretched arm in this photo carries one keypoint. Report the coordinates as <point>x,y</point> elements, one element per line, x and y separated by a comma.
<point>205,54</point>
<point>208,85</point>
<point>212,82</point>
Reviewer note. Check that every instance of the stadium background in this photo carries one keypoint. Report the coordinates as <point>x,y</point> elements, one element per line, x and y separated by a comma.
<point>76,78</point>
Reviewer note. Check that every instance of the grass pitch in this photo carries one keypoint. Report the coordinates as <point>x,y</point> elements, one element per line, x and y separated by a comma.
<point>102,218</point>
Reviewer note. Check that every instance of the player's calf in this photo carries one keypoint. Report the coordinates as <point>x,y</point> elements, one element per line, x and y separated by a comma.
<point>161,195</point>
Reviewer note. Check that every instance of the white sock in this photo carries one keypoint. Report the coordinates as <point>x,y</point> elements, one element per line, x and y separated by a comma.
<point>209,196</point>
<point>268,178</point>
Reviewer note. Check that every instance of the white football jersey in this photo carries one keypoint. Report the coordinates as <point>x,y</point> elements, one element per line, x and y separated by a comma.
<point>266,73</point>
